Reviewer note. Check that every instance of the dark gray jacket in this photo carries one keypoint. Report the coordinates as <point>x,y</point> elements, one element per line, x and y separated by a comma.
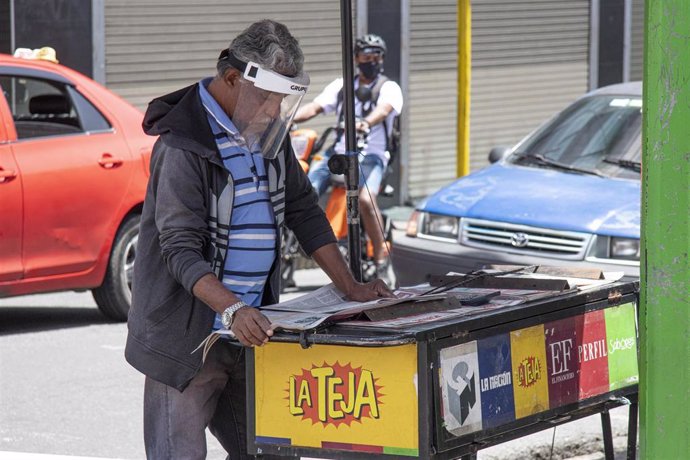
<point>183,234</point>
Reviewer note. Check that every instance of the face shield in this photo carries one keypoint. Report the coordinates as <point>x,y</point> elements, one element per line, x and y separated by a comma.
<point>266,103</point>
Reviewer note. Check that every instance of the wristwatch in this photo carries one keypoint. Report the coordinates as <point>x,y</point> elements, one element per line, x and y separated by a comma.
<point>228,314</point>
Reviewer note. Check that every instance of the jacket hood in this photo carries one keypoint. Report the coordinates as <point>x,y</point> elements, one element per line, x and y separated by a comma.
<point>180,119</point>
<point>543,198</point>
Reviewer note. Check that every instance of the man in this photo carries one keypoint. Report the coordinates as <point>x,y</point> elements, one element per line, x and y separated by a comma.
<point>223,181</point>
<point>375,118</point>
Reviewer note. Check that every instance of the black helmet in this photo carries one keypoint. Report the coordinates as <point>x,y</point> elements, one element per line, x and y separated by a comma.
<point>370,43</point>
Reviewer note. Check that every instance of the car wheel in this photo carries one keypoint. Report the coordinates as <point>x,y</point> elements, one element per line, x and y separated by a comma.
<point>114,296</point>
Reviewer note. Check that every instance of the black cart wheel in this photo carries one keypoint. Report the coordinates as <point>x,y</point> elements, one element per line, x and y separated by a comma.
<point>114,296</point>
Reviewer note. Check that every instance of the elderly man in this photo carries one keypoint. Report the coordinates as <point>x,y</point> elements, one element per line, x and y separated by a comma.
<point>223,181</point>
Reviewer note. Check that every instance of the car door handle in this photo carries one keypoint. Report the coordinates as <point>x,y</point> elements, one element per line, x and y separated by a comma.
<point>107,161</point>
<point>7,175</point>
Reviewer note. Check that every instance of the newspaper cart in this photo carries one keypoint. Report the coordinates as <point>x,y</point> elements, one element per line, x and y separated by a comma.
<point>443,386</point>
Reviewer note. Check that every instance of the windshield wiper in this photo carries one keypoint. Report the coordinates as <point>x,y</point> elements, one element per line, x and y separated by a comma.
<point>628,164</point>
<point>542,160</point>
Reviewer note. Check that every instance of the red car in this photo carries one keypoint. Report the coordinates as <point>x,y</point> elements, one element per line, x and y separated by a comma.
<point>73,173</point>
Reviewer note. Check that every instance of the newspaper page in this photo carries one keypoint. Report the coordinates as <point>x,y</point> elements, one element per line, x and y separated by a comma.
<point>329,303</point>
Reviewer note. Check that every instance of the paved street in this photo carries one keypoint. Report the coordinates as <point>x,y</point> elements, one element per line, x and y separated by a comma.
<point>65,388</point>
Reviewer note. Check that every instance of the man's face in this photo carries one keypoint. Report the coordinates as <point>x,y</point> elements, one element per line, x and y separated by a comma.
<point>362,58</point>
<point>264,105</point>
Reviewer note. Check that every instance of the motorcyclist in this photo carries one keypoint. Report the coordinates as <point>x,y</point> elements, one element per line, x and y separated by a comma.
<point>374,117</point>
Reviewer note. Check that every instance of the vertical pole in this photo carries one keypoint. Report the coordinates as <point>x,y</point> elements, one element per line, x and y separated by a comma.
<point>664,267</point>
<point>352,172</point>
<point>98,38</point>
<point>13,31</point>
<point>464,77</point>
<point>593,44</point>
<point>632,430</point>
<point>607,434</point>
<point>404,154</point>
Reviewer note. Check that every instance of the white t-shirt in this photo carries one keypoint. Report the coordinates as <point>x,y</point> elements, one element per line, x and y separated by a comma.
<point>376,141</point>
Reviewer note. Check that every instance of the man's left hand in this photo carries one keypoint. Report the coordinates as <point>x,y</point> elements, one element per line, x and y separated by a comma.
<point>363,292</point>
<point>362,126</point>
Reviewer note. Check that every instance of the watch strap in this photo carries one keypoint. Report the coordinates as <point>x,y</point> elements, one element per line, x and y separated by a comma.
<point>229,313</point>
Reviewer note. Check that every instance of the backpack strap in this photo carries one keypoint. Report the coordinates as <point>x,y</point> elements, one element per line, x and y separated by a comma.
<point>376,89</point>
<point>375,92</point>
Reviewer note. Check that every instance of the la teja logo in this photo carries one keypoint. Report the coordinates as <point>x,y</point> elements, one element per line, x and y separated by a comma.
<point>334,394</point>
<point>528,371</point>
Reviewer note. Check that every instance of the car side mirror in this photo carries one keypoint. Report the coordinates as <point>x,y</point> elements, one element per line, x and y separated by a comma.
<point>498,153</point>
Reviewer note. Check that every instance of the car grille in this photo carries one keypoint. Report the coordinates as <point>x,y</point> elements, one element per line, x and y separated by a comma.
<point>523,239</point>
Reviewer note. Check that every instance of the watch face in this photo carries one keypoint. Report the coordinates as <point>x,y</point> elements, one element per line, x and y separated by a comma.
<point>226,319</point>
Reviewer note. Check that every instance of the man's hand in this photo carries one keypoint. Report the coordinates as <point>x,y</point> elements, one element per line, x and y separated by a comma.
<point>251,327</point>
<point>363,292</point>
<point>331,260</point>
<point>362,126</point>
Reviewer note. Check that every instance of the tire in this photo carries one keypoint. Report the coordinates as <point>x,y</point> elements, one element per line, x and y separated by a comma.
<point>114,296</point>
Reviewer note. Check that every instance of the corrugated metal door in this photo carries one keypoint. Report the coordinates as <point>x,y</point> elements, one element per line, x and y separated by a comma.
<point>156,46</point>
<point>432,98</point>
<point>637,40</point>
<point>529,59</point>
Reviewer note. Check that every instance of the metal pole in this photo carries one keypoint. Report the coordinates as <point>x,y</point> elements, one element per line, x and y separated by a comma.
<point>665,266</point>
<point>608,435</point>
<point>464,77</point>
<point>352,172</point>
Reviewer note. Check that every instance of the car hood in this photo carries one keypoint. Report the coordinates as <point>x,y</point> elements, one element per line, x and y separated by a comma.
<point>543,198</point>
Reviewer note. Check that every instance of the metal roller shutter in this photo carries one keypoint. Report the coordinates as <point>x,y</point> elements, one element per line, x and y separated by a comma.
<point>432,98</point>
<point>637,40</point>
<point>156,46</point>
<point>529,59</point>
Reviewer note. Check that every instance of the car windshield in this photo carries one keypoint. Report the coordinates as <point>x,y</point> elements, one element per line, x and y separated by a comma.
<point>596,135</point>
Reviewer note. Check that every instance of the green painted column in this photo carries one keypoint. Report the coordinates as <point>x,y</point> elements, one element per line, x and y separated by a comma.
<point>665,271</point>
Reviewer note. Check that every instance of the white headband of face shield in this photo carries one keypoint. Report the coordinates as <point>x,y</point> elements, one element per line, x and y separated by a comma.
<point>275,82</point>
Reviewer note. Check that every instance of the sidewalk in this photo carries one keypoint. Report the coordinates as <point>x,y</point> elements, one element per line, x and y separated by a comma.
<point>578,440</point>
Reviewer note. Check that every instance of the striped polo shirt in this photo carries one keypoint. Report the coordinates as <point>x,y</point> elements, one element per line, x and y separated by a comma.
<point>252,234</point>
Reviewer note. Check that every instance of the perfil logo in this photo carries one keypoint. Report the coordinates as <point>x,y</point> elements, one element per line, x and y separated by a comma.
<point>334,394</point>
<point>529,371</point>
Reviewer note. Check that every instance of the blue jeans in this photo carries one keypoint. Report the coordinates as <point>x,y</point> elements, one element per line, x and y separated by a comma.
<point>175,422</point>
<point>370,172</point>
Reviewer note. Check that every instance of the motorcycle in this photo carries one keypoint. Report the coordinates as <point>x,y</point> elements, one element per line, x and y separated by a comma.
<point>307,144</point>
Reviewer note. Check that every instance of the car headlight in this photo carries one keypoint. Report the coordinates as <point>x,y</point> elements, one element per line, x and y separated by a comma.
<point>440,226</point>
<point>624,248</point>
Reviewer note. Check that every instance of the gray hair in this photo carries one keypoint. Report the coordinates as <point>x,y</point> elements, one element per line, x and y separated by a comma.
<point>269,44</point>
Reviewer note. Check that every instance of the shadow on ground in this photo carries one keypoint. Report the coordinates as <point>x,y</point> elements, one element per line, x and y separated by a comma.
<point>21,320</point>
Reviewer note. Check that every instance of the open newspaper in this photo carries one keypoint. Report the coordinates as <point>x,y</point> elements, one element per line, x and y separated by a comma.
<point>326,304</point>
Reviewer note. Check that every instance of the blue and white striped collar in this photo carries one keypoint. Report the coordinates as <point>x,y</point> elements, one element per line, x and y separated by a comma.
<point>215,110</point>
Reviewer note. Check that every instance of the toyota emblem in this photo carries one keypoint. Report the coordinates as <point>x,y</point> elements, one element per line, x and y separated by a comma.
<point>519,240</point>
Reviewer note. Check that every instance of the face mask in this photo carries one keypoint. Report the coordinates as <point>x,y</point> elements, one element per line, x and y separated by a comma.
<point>370,70</point>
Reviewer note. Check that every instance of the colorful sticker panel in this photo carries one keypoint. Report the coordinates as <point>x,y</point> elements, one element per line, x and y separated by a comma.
<point>342,397</point>
<point>563,337</point>
<point>530,383</point>
<point>459,380</point>
<point>621,340</point>
<point>496,384</point>
<point>593,356</point>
